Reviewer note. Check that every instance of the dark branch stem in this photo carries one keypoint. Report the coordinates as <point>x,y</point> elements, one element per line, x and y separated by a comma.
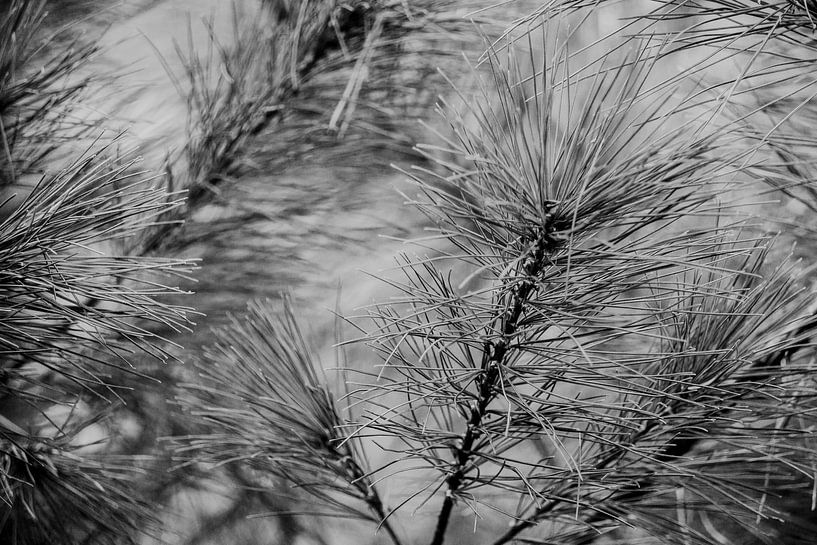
<point>377,506</point>
<point>358,479</point>
<point>454,480</point>
<point>494,354</point>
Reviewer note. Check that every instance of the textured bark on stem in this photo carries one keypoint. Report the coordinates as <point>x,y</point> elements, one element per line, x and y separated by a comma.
<point>493,357</point>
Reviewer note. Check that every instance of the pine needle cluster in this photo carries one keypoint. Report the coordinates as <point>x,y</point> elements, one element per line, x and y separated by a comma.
<point>76,315</point>
<point>335,58</point>
<point>277,418</point>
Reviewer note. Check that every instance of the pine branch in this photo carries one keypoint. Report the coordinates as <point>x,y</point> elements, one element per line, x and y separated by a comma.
<point>76,314</point>
<point>58,488</point>
<point>69,305</point>
<point>276,417</point>
<point>571,251</point>
<point>742,345</point>
<point>281,63</point>
<point>494,353</point>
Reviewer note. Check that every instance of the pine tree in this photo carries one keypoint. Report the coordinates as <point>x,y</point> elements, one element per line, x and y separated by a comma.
<point>605,337</point>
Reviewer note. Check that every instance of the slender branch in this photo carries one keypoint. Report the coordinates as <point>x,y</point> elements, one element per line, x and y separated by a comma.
<point>360,481</point>
<point>379,508</point>
<point>494,354</point>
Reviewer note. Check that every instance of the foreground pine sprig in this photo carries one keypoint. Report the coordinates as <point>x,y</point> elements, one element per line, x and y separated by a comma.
<point>588,318</point>
<point>264,407</point>
<point>77,311</point>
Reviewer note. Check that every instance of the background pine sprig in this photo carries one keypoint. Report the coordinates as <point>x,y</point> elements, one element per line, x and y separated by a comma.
<point>77,314</point>
<point>277,417</point>
<point>54,492</point>
<point>78,310</point>
<point>37,96</point>
<point>285,62</point>
<point>69,304</point>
